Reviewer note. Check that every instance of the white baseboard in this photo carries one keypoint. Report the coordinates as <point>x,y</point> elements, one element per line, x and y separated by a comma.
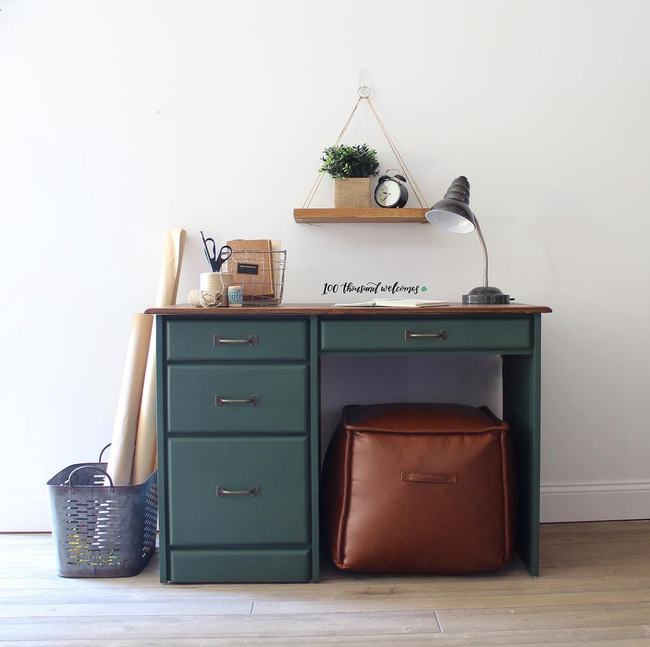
<point>30,511</point>
<point>25,512</point>
<point>595,502</point>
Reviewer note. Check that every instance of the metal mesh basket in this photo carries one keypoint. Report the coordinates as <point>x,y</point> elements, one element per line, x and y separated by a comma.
<point>102,530</point>
<point>261,275</point>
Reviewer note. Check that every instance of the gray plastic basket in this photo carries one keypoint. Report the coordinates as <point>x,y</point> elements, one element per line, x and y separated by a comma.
<point>102,530</point>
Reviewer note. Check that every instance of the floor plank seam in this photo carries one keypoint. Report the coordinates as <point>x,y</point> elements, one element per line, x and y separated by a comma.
<point>435,613</point>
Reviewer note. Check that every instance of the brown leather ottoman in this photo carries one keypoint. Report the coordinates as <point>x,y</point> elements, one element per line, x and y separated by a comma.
<point>419,488</point>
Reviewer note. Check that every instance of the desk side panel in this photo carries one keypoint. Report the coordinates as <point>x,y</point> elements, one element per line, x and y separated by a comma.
<point>161,426</point>
<point>314,438</point>
<point>521,409</point>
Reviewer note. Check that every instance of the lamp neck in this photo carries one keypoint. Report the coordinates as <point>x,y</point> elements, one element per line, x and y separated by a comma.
<point>485,252</point>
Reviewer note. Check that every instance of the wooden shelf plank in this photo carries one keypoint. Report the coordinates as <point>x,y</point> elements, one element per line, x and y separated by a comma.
<point>360,215</point>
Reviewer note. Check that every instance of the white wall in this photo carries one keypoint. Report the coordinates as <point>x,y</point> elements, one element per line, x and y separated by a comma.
<point>121,119</point>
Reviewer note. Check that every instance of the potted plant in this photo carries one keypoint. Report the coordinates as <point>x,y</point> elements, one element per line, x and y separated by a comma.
<point>351,167</point>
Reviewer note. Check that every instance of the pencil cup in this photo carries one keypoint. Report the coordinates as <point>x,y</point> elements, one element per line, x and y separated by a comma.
<point>235,296</point>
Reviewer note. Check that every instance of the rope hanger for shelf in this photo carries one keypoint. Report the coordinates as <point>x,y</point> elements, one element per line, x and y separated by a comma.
<point>364,95</point>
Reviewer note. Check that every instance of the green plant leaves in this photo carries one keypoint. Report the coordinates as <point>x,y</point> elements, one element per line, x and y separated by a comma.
<point>343,161</point>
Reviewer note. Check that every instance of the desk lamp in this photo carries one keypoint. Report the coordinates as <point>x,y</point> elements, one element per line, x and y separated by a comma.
<point>453,214</point>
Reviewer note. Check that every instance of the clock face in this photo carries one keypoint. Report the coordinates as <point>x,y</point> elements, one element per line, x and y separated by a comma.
<point>387,193</point>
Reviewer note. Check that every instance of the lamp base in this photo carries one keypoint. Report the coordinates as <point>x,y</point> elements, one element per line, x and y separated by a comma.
<point>486,296</point>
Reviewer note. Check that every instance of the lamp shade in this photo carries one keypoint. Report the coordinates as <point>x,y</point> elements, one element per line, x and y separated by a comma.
<point>452,212</point>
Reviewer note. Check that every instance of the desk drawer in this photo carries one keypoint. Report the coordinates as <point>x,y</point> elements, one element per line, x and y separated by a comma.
<point>277,514</point>
<point>454,335</point>
<point>240,339</point>
<point>240,565</point>
<point>278,391</point>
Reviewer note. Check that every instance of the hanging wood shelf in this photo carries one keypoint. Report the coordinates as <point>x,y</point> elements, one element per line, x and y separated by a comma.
<point>378,214</point>
<point>369,214</point>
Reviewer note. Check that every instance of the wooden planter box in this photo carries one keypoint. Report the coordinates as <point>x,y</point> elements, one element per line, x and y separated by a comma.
<point>352,193</point>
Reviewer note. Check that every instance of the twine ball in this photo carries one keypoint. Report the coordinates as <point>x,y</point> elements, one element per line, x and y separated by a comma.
<point>205,299</point>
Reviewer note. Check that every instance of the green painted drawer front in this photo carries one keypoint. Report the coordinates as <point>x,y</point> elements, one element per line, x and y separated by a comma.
<point>281,391</point>
<point>195,340</point>
<point>239,565</point>
<point>460,335</point>
<point>198,466</point>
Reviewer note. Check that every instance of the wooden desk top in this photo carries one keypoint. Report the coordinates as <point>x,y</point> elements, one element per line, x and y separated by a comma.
<point>327,310</point>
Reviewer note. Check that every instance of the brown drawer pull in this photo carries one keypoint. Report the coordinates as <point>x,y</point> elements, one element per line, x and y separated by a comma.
<point>217,340</point>
<point>443,335</point>
<point>219,401</point>
<point>429,478</point>
<point>256,490</point>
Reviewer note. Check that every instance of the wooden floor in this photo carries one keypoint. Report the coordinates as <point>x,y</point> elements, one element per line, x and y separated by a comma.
<point>594,589</point>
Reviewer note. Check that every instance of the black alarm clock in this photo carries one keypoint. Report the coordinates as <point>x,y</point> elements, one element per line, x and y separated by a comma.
<point>390,192</point>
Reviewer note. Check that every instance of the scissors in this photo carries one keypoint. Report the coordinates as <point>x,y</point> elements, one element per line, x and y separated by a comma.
<point>215,260</point>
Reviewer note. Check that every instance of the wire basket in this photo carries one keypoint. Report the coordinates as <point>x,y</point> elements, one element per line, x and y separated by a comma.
<point>261,275</point>
<point>102,530</point>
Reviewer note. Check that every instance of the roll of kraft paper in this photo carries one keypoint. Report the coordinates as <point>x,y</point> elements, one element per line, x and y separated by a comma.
<point>144,458</point>
<point>128,406</point>
<point>170,271</point>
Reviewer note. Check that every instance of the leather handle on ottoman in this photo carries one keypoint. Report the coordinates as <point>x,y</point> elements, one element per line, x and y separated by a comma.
<point>447,479</point>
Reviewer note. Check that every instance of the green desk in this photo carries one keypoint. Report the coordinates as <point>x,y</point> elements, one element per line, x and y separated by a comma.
<point>238,423</point>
